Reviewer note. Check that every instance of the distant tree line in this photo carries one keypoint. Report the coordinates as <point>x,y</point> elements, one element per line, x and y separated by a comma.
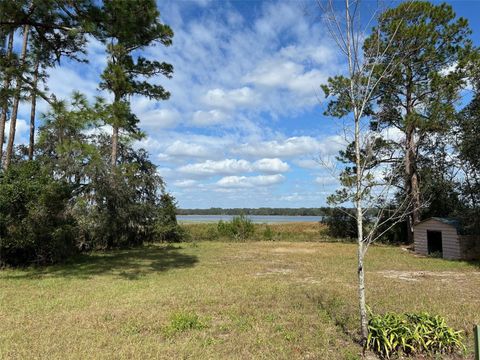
<point>79,183</point>
<point>323,211</point>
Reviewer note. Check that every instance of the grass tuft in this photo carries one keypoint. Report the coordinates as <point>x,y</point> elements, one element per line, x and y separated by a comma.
<point>184,321</point>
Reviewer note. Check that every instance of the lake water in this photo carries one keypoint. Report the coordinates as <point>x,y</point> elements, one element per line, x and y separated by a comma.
<point>259,219</point>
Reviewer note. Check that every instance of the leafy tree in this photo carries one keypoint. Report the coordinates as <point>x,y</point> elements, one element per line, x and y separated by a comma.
<point>113,206</point>
<point>341,223</point>
<point>468,162</point>
<point>35,226</point>
<point>166,227</point>
<point>438,171</point>
<point>126,27</point>
<point>122,202</point>
<point>430,49</point>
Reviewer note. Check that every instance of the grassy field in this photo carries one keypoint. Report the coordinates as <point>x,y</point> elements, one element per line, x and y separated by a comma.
<point>217,300</point>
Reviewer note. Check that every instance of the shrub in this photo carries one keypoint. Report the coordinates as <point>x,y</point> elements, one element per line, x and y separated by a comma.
<point>35,224</point>
<point>166,226</point>
<point>268,233</point>
<point>240,228</point>
<point>408,334</point>
<point>341,223</point>
<point>393,233</point>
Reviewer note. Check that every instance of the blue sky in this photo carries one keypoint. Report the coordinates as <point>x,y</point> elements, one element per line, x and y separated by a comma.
<point>244,125</point>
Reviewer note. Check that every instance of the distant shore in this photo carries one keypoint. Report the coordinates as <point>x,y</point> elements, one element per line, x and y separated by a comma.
<point>257,219</point>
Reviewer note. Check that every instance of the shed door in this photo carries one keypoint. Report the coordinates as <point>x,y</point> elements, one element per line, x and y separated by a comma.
<point>434,239</point>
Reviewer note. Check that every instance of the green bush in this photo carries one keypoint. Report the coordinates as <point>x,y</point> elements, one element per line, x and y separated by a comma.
<point>409,334</point>
<point>35,224</point>
<point>240,228</point>
<point>268,233</point>
<point>166,226</point>
<point>341,223</point>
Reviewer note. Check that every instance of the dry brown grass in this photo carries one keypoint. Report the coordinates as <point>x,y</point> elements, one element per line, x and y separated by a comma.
<point>256,300</point>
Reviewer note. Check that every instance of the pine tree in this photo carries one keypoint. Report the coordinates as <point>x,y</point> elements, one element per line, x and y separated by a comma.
<point>431,49</point>
<point>128,26</point>
<point>51,29</point>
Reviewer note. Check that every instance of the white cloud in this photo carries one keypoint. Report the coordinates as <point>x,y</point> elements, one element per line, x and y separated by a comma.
<point>208,118</point>
<point>275,73</point>
<point>183,149</point>
<point>234,166</point>
<point>218,68</point>
<point>211,168</point>
<point>293,197</point>
<point>231,99</point>
<point>63,81</point>
<point>288,75</point>
<point>321,54</point>
<point>291,147</point>
<point>185,183</point>
<point>177,147</point>
<point>250,181</point>
<point>159,118</point>
<point>270,165</point>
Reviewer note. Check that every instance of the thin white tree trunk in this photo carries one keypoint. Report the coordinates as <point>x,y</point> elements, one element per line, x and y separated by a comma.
<point>357,114</point>
<point>360,242</point>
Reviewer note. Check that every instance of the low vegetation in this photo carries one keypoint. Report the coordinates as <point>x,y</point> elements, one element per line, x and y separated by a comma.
<point>183,321</point>
<point>412,334</point>
<point>239,228</point>
<point>218,300</point>
<point>299,231</point>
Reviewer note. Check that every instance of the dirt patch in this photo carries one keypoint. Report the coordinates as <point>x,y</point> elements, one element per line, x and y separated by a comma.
<point>424,275</point>
<point>284,250</point>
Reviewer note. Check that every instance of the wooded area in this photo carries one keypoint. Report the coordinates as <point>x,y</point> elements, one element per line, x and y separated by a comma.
<point>78,187</point>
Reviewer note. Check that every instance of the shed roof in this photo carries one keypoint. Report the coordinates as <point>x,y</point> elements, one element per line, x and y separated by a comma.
<point>449,221</point>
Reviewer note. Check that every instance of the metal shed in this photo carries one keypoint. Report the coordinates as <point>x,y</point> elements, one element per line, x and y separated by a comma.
<point>442,236</point>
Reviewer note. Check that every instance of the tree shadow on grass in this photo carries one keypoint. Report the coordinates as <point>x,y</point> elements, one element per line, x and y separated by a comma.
<point>129,264</point>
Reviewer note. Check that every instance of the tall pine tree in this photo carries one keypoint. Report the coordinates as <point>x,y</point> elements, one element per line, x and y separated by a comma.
<point>430,48</point>
<point>128,26</point>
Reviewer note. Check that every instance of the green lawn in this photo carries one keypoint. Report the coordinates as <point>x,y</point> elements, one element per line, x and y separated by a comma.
<point>213,300</point>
